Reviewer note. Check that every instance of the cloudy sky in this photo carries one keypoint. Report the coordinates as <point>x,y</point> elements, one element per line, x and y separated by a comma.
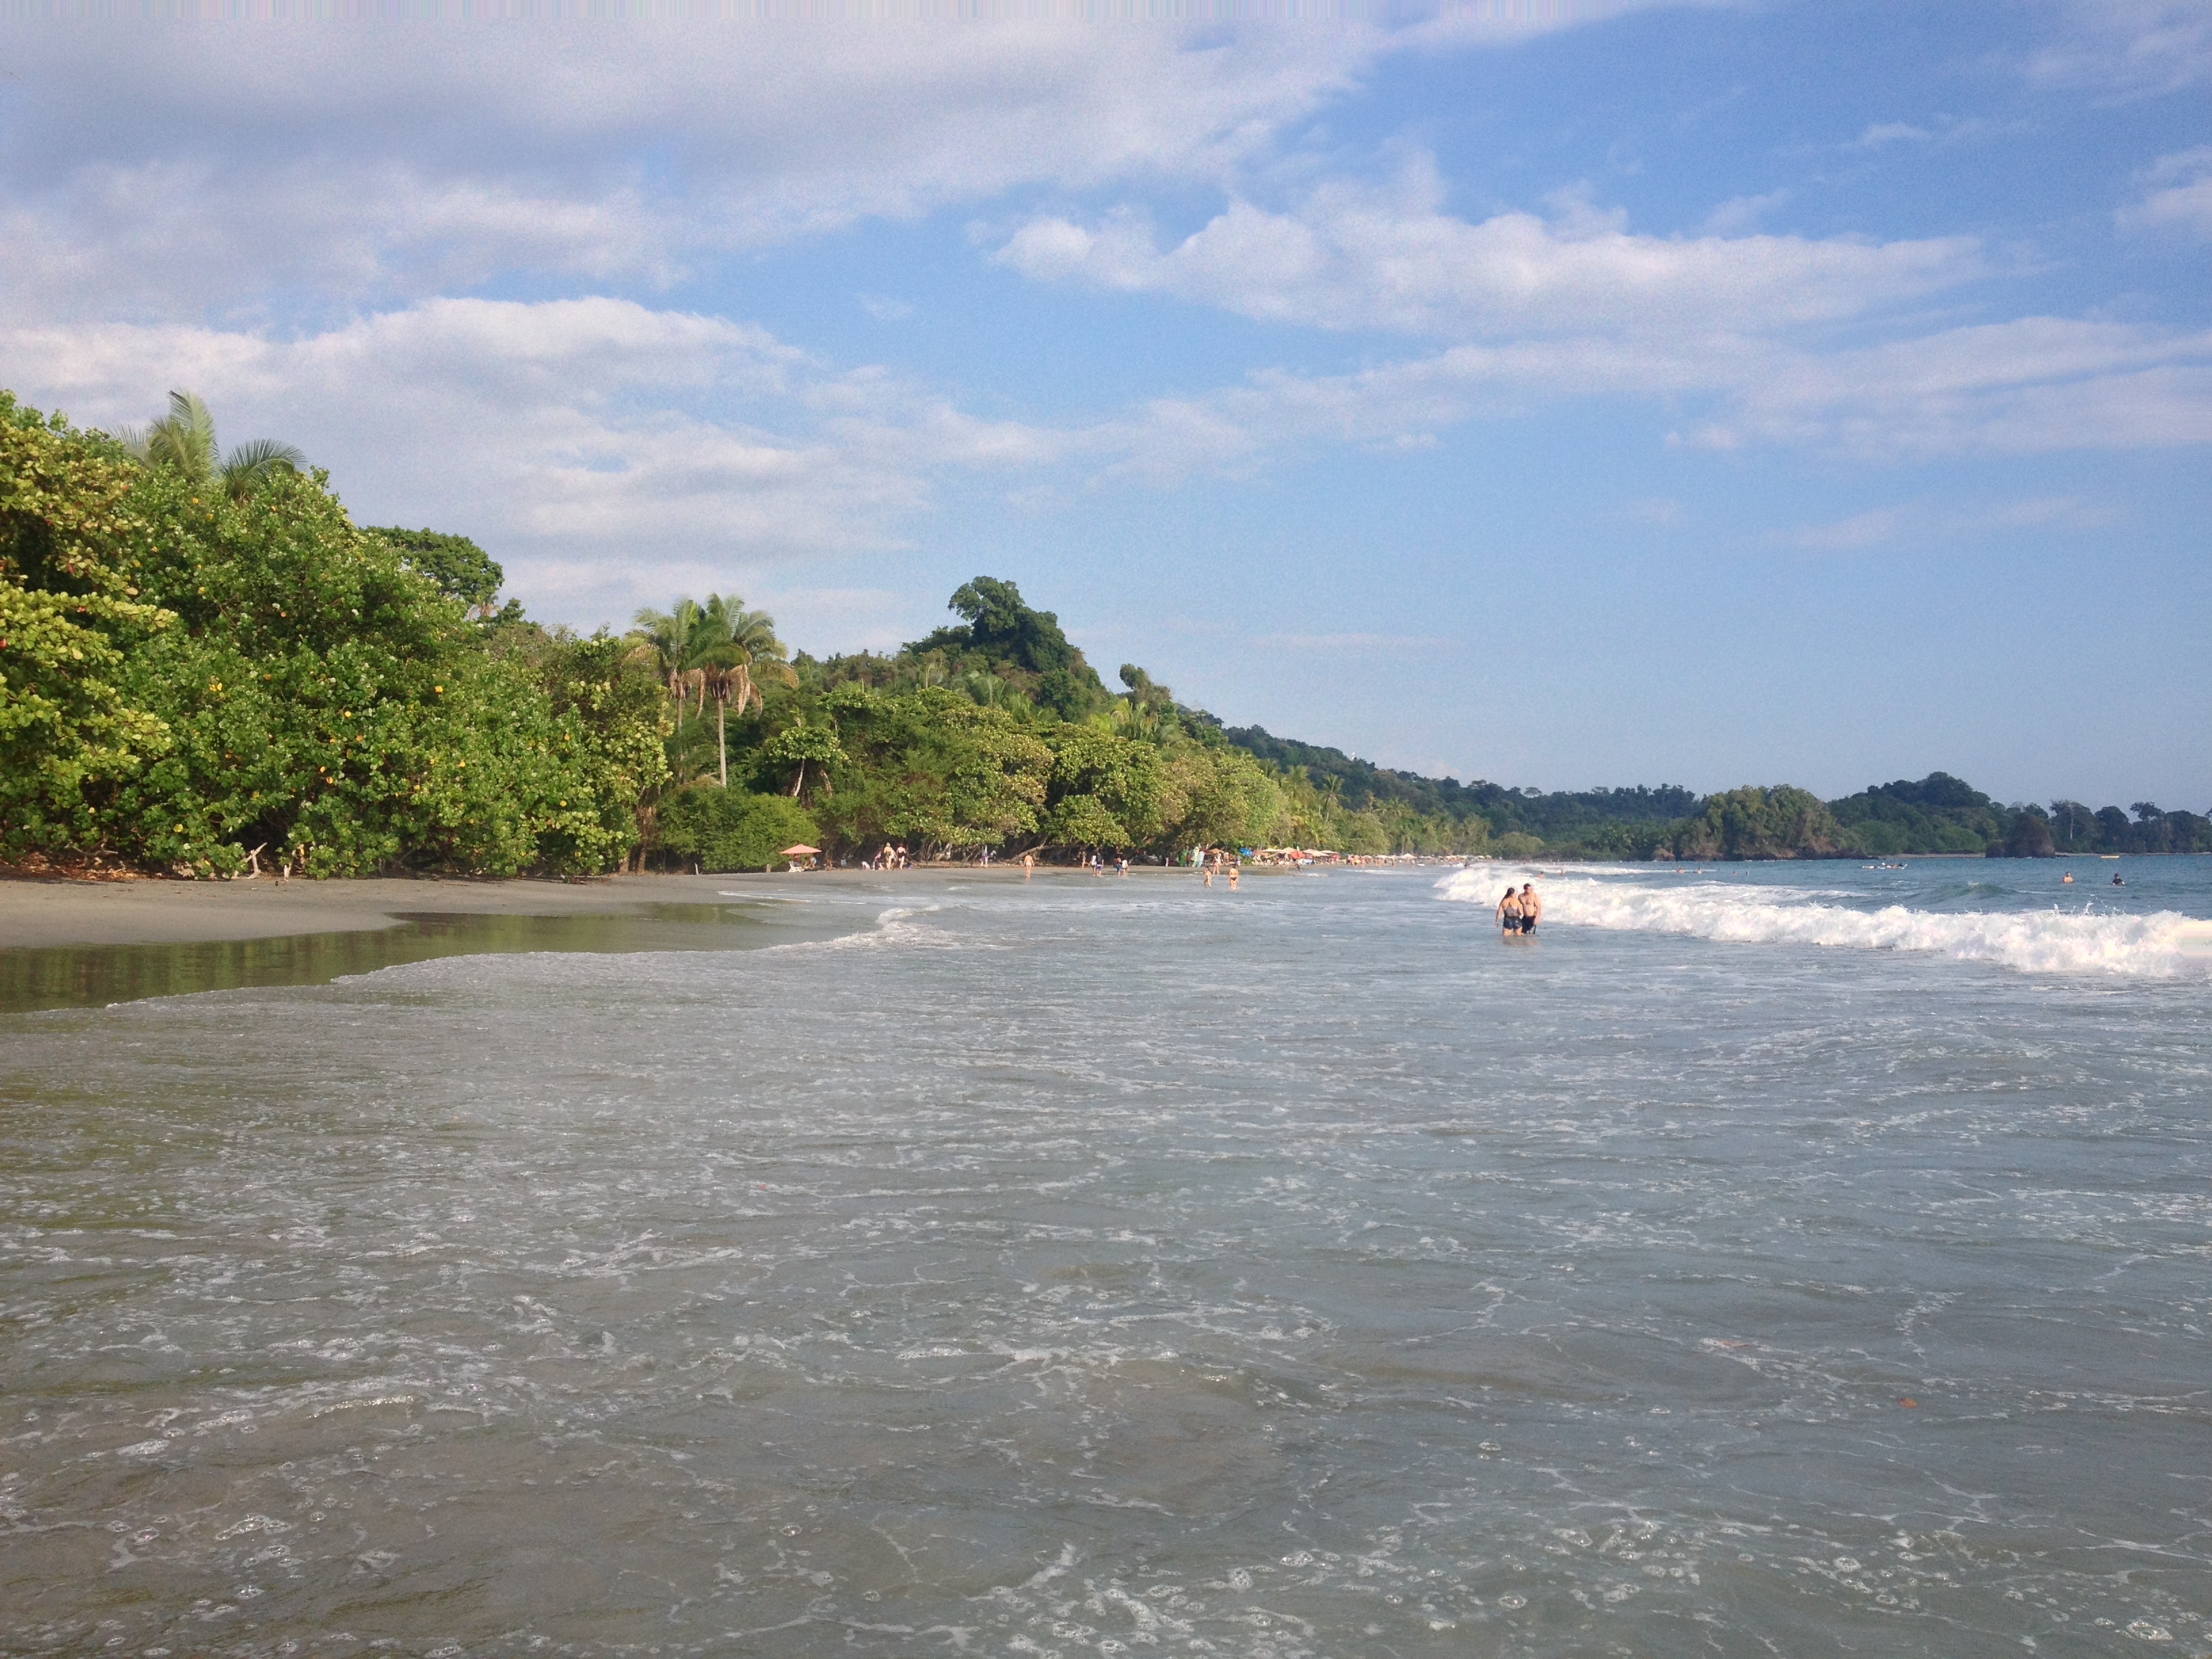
<point>1562,394</point>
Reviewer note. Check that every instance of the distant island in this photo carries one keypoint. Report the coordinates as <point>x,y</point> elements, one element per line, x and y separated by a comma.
<point>207,669</point>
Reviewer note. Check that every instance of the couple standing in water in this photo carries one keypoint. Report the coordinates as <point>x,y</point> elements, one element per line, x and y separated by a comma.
<point>1517,911</point>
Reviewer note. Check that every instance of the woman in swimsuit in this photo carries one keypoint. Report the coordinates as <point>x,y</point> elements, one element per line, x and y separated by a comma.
<point>1509,912</point>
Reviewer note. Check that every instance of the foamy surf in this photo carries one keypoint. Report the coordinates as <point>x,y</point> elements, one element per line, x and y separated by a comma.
<point>2162,945</point>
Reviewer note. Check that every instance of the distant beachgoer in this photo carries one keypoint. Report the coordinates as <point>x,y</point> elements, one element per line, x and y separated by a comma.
<point>1234,870</point>
<point>1509,912</point>
<point>2067,880</point>
<point>1531,908</point>
<point>1029,866</point>
<point>2116,882</point>
<point>1207,864</point>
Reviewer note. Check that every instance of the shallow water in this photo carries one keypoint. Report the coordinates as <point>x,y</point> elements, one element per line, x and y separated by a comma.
<point>1098,1265</point>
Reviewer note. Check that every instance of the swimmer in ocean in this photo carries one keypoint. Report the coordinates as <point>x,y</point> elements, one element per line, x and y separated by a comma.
<point>1531,908</point>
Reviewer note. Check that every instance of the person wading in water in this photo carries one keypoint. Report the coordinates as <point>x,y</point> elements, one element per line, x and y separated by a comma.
<point>1509,912</point>
<point>1531,908</point>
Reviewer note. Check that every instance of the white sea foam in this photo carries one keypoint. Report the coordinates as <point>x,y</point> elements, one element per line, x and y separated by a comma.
<point>2161,945</point>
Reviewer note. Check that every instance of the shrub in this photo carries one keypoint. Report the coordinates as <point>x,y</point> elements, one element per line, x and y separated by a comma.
<point>732,829</point>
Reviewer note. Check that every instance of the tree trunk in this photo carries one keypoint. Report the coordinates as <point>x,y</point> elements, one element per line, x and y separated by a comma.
<point>800,782</point>
<point>722,744</point>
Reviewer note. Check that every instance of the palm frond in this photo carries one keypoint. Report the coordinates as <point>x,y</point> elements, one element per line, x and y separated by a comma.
<point>253,464</point>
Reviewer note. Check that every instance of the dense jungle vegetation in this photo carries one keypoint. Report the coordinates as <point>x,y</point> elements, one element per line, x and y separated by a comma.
<point>207,667</point>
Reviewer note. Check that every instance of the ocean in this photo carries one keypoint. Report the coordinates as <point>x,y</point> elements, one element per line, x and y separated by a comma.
<point>1782,1259</point>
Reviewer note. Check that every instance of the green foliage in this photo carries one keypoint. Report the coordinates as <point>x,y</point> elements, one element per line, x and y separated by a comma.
<point>1778,823</point>
<point>70,541</point>
<point>1421,814</point>
<point>1081,821</point>
<point>327,702</point>
<point>733,829</point>
<point>718,652</point>
<point>797,747</point>
<point>183,442</point>
<point>1216,796</point>
<point>455,565</point>
<point>931,766</point>
<point>2152,831</point>
<point>1938,814</point>
<point>1005,637</point>
<point>195,671</point>
<point>203,658</point>
<point>610,721</point>
<point>2029,836</point>
<point>1123,781</point>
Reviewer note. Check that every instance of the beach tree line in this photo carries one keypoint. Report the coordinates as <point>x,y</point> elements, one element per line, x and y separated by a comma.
<point>207,667</point>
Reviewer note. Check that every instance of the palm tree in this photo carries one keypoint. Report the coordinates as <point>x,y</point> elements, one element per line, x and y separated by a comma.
<point>1149,709</point>
<point>727,674</point>
<point>184,440</point>
<point>720,650</point>
<point>751,635</point>
<point>670,640</point>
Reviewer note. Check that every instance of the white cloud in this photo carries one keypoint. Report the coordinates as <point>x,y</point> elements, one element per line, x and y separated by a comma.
<point>1743,212</point>
<point>2056,513</point>
<point>312,188</point>
<point>1851,535</point>
<point>2178,197</point>
<point>1365,642</point>
<point>1926,523</point>
<point>2035,385</point>
<point>609,452</point>
<point>1942,130</point>
<point>1355,257</point>
<point>2128,46</point>
<point>1890,132</point>
<point>158,170</point>
<point>569,435</point>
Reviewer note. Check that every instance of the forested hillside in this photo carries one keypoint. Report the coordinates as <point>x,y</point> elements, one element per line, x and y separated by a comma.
<point>206,667</point>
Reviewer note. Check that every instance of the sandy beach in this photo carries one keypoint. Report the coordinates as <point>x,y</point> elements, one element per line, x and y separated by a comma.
<point>39,914</point>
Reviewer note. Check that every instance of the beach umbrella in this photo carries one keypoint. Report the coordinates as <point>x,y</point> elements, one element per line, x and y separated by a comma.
<point>799,852</point>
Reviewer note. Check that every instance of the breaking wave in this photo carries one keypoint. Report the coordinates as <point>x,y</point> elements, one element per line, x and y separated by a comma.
<point>2162,945</point>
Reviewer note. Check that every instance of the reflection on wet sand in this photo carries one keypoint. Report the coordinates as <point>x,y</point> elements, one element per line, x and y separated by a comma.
<point>93,976</point>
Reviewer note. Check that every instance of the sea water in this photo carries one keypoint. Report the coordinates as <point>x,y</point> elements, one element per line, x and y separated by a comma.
<point>1798,1260</point>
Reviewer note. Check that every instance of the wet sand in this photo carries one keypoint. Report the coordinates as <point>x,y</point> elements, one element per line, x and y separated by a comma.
<point>36,914</point>
<point>66,945</point>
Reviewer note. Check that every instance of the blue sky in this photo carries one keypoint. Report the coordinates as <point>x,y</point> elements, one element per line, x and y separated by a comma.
<point>1564,395</point>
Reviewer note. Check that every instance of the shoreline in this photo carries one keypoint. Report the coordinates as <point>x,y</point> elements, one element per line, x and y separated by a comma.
<point>42,914</point>
<point>47,913</point>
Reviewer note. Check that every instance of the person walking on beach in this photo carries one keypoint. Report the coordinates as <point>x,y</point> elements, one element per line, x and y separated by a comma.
<point>1531,908</point>
<point>1509,912</point>
<point>1029,866</point>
